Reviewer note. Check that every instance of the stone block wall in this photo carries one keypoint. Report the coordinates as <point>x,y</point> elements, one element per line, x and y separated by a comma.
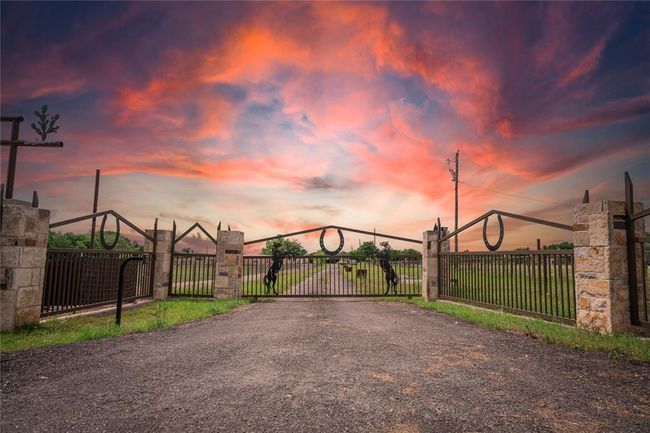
<point>228,275</point>
<point>430,270</point>
<point>163,261</point>
<point>23,251</point>
<point>600,266</point>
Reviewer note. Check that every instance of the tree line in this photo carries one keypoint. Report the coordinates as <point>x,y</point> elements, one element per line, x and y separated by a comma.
<point>82,241</point>
<point>364,251</point>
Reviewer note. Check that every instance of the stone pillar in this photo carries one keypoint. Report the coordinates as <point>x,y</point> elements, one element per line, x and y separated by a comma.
<point>163,262</point>
<point>23,253</point>
<point>600,266</point>
<point>430,270</point>
<point>228,275</point>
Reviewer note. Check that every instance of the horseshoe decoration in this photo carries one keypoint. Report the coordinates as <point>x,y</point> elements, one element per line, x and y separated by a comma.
<point>336,251</point>
<point>485,239</point>
<point>102,239</point>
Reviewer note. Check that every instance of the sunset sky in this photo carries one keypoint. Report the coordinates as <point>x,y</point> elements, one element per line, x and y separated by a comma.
<point>279,117</point>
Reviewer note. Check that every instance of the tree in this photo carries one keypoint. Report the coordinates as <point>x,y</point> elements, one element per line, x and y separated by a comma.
<point>365,250</point>
<point>560,246</point>
<point>75,240</point>
<point>284,245</point>
<point>410,253</point>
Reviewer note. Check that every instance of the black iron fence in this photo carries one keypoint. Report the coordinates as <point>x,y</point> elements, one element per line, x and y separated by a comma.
<point>78,278</point>
<point>192,274</point>
<point>330,276</point>
<point>536,283</point>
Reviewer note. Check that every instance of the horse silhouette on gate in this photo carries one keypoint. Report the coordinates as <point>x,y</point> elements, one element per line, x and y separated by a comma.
<point>392,279</point>
<point>271,276</point>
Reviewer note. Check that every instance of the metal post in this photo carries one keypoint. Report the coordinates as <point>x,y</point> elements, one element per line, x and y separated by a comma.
<point>456,203</point>
<point>153,257</point>
<point>96,197</point>
<point>539,244</point>
<point>120,289</point>
<point>13,156</point>
<point>171,260</point>
<point>438,235</point>
<point>631,250</point>
<point>2,201</point>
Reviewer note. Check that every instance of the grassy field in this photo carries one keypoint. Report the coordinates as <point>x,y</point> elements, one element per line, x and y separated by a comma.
<point>635,347</point>
<point>531,287</point>
<point>193,271</point>
<point>156,315</point>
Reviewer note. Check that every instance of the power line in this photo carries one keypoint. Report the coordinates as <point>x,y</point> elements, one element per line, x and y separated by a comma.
<point>516,196</point>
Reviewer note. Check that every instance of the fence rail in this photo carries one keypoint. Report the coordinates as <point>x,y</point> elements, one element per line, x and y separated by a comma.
<point>306,276</point>
<point>79,278</point>
<point>536,283</point>
<point>192,274</point>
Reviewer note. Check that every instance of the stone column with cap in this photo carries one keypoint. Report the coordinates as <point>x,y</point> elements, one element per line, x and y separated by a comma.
<point>23,245</point>
<point>430,252</point>
<point>600,265</point>
<point>163,261</point>
<point>228,273</point>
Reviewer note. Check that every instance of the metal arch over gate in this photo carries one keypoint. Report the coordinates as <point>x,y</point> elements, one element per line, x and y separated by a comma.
<point>332,274</point>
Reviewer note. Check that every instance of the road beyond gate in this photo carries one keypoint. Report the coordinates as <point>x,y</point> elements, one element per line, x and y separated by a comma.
<point>323,365</point>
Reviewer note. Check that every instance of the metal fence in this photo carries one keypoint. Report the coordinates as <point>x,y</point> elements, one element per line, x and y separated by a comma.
<point>638,264</point>
<point>192,274</point>
<point>536,283</point>
<point>78,278</point>
<point>330,276</point>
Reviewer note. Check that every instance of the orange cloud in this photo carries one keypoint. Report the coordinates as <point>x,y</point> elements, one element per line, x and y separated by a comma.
<point>587,63</point>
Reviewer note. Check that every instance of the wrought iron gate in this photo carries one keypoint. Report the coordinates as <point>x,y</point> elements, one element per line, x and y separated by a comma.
<point>191,274</point>
<point>332,273</point>
<point>533,283</point>
<point>79,278</point>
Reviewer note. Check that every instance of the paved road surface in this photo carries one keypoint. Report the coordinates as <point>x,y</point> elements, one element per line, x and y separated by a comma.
<point>323,366</point>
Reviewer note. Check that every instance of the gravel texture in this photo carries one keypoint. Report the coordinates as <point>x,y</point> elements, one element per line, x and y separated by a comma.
<point>323,366</point>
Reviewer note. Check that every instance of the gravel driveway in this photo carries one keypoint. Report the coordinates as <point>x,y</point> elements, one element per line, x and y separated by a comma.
<point>326,366</point>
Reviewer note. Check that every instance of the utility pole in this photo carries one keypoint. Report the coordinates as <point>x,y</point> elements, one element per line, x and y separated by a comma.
<point>453,169</point>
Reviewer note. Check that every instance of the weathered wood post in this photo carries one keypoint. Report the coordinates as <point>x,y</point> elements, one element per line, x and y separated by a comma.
<point>228,273</point>
<point>23,253</point>
<point>430,261</point>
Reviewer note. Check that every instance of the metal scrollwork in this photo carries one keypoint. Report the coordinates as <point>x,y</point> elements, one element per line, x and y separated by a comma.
<point>102,239</point>
<point>392,279</point>
<point>485,238</point>
<point>336,251</point>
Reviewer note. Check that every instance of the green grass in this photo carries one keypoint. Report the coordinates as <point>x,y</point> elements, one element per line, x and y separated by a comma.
<point>156,315</point>
<point>635,347</point>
